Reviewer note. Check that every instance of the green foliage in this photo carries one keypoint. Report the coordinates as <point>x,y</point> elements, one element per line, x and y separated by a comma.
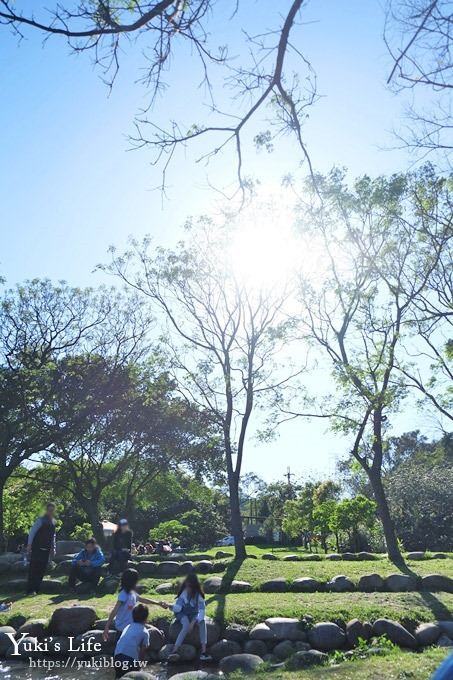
<point>21,507</point>
<point>318,509</point>
<point>81,532</point>
<point>352,514</point>
<point>385,643</point>
<point>312,510</point>
<point>355,512</point>
<point>270,504</point>
<point>173,530</point>
<point>298,513</point>
<point>203,527</point>
<point>325,520</point>
<point>421,497</point>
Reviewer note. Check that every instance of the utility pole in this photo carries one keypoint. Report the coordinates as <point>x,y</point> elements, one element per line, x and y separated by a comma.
<point>288,475</point>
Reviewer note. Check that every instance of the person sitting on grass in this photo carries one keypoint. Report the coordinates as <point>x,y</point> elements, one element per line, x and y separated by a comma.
<point>190,611</point>
<point>133,643</point>
<point>86,565</point>
<point>121,614</point>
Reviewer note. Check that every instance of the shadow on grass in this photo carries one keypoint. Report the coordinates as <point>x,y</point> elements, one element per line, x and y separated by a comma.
<point>439,610</point>
<point>79,597</point>
<point>220,598</point>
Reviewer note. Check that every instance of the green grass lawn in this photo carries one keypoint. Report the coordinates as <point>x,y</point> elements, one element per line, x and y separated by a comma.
<point>278,551</point>
<point>250,608</point>
<point>257,571</point>
<point>394,666</point>
<point>409,608</point>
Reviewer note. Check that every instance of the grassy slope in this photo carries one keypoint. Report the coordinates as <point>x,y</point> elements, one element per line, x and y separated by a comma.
<point>277,551</point>
<point>405,607</point>
<point>257,571</point>
<point>394,666</point>
<point>253,607</point>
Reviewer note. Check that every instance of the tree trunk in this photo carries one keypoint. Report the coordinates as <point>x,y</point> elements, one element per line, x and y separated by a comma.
<point>96,525</point>
<point>236,520</point>
<point>375,477</point>
<point>3,542</point>
<point>391,540</point>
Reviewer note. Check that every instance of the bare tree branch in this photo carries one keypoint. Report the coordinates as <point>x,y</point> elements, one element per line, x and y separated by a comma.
<point>419,38</point>
<point>101,28</point>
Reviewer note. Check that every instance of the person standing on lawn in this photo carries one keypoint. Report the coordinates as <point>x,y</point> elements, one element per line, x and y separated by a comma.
<point>41,546</point>
<point>122,546</point>
<point>86,565</point>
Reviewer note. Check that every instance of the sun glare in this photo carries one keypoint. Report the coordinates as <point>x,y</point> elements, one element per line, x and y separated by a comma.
<point>267,250</point>
<point>264,248</point>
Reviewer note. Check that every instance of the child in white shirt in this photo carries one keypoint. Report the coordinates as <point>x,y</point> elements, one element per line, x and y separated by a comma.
<point>128,597</point>
<point>133,643</point>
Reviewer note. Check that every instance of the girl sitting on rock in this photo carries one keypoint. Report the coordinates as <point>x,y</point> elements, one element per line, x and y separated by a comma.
<point>189,609</point>
<point>121,614</point>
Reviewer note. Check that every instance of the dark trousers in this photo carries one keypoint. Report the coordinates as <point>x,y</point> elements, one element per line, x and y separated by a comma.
<point>119,559</point>
<point>84,574</point>
<point>39,560</point>
<point>124,664</point>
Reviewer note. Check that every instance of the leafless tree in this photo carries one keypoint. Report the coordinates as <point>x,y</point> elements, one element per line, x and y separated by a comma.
<point>224,338</point>
<point>419,36</point>
<point>104,28</point>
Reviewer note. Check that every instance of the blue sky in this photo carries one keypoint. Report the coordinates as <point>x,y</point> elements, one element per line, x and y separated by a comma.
<point>71,186</point>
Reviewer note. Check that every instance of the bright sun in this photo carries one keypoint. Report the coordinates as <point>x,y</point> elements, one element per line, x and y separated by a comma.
<point>264,250</point>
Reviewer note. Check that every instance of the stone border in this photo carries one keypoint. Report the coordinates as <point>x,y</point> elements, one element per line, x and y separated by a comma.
<point>74,632</point>
<point>368,583</point>
<point>179,565</point>
<point>364,556</point>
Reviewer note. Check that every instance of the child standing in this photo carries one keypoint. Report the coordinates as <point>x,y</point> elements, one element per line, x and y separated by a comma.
<point>133,642</point>
<point>121,613</point>
<point>189,609</point>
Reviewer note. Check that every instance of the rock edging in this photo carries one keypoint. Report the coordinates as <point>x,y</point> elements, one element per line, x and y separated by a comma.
<point>75,632</point>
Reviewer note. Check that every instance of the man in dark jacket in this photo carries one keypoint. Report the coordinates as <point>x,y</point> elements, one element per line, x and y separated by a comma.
<point>122,546</point>
<point>40,546</point>
<point>86,565</point>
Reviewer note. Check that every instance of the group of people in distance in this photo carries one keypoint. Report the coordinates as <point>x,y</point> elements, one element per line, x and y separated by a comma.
<point>130,613</point>
<point>161,548</point>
